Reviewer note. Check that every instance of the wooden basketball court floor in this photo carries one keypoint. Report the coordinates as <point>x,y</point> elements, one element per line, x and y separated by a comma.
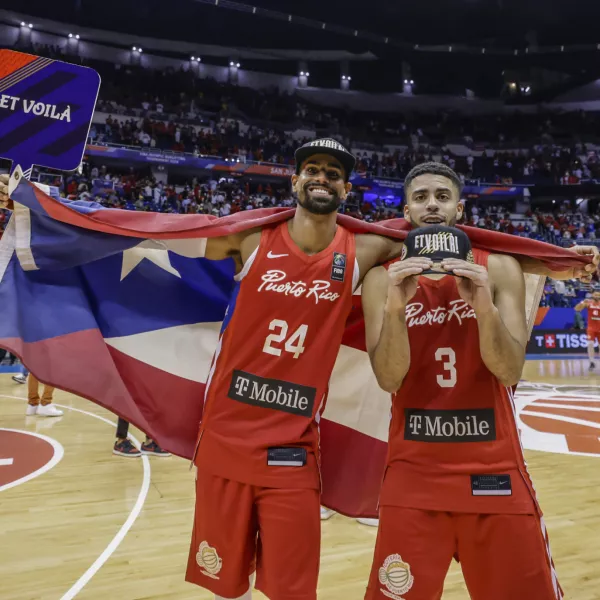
<point>96,526</point>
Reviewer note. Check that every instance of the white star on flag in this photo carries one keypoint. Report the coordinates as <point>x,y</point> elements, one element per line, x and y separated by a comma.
<point>157,251</point>
<point>152,250</point>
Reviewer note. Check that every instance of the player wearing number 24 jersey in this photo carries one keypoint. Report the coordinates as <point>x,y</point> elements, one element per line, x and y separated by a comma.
<point>257,458</point>
<point>450,347</point>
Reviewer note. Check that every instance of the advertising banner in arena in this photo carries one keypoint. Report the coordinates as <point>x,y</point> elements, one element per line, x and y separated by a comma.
<point>558,341</point>
<point>135,155</point>
<point>46,108</point>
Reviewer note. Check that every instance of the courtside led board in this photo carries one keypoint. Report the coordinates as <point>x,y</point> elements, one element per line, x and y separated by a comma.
<point>46,109</point>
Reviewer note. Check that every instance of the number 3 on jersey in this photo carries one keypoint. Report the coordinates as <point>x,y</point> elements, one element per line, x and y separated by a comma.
<point>294,344</point>
<point>448,379</point>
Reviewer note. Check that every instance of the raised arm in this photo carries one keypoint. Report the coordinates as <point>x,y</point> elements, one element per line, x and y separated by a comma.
<point>582,305</point>
<point>385,295</point>
<point>235,245</point>
<point>534,266</point>
<point>497,294</point>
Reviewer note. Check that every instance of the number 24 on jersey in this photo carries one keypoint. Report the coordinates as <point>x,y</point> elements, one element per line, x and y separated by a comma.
<point>293,344</point>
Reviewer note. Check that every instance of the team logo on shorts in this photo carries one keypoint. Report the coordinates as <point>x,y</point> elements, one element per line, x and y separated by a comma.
<point>208,560</point>
<point>395,575</point>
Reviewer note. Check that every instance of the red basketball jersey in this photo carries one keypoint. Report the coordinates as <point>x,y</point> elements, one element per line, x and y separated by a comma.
<point>594,316</point>
<point>279,342</point>
<point>454,443</point>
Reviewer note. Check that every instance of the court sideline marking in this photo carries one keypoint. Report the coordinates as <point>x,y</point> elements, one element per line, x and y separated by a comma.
<point>124,530</point>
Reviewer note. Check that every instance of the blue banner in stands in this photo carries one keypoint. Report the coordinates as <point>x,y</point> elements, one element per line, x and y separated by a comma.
<point>46,109</point>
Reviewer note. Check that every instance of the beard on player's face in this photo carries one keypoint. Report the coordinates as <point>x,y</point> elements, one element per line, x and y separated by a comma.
<point>322,202</point>
<point>320,188</point>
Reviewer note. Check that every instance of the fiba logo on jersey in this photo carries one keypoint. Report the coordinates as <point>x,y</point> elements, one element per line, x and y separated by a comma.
<point>272,393</point>
<point>396,576</point>
<point>338,268</point>
<point>464,425</point>
<point>208,560</point>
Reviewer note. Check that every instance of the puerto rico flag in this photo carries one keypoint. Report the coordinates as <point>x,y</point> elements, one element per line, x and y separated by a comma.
<point>123,309</point>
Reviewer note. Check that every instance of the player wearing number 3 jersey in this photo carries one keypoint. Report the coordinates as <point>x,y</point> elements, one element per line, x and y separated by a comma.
<point>450,347</point>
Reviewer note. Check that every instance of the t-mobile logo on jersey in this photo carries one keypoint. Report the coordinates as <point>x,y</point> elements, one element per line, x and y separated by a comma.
<point>465,425</point>
<point>273,281</point>
<point>272,393</point>
<point>456,309</point>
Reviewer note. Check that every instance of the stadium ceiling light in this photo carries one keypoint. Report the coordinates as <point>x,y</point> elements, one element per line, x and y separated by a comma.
<point>77,37</point>
<point>134,49</point>
<point>307,74</point>
<point>237,65</point>
<point>412,82</point>
<point>349,78</point>
<point>231,64</point>
<point>70,35</point>
<point>301,73</point>
<point>30,26</point>
<point>23,24</point>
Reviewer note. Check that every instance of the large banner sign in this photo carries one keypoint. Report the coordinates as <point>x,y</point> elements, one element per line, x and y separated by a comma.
<point>558,341</point>
<point>46,108</point>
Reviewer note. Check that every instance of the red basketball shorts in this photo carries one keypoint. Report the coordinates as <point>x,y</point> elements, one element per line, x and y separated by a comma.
<point>240,527</point>
<point>503,557</point>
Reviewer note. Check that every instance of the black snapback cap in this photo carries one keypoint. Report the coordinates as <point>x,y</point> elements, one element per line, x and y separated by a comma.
<point>326,146</point>
<point>437,242</point>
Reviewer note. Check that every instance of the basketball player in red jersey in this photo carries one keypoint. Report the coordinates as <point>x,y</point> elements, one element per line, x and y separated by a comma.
<point>593,323</point>
<point>450,349</point>
<point>258,480</point>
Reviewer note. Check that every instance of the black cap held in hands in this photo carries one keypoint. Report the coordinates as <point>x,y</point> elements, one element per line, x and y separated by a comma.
<point>326,146</point>
<point>437,242</point>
